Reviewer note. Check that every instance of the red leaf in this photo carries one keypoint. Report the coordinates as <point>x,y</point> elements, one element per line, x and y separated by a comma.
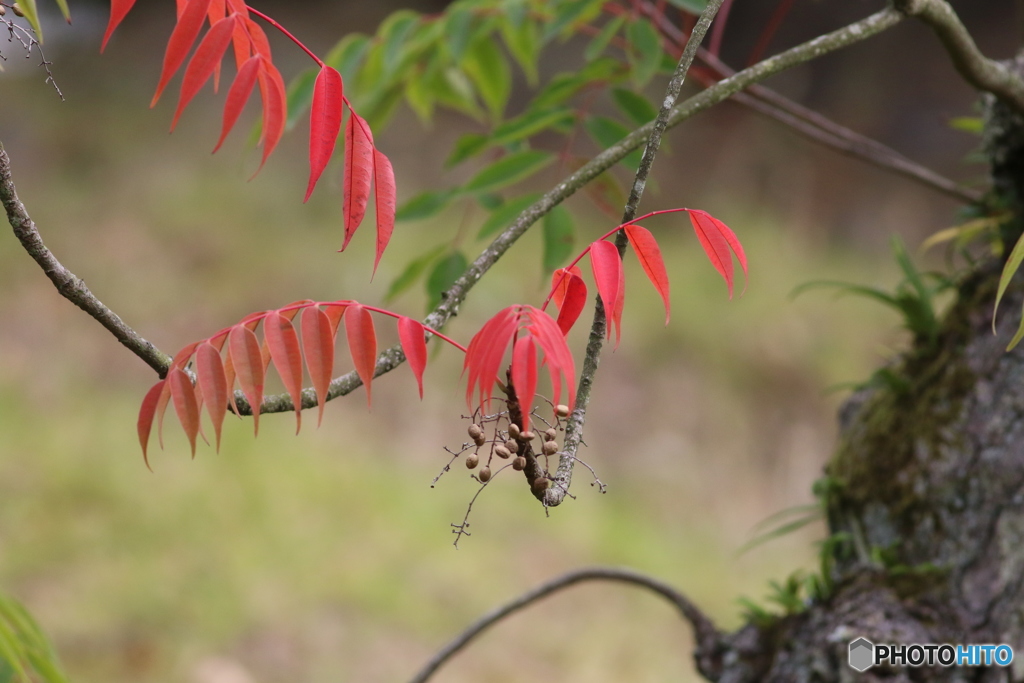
<point>485,352</point>
<point>274,107</point>
<point>607,266</point>
<point>283,342</point>
<point>238,95</point>
<point>247,360</point>
<point>185,404</point>
<point>556,352</point>
<point>717,239</point>
<point>646,248</point>
<point>318,347</point>
<point>334,314</point>
<point>362,344</point>
<point>146,414</point>
<point>384,188</point>
<point>208,55</point>
<point>213,381</point>
<point>620,303</point>
<point>240,42</point>
<point>257,36</point>
<point>324,122</point>
<point>217,11</point>
<point>570,295</point>
<point>524,375</point>
<point>414,346</point>
<point>182,37</point>
<point>118,10</point>
<point>358,173</point>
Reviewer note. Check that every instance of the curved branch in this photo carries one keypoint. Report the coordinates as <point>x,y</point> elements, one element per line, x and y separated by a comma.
<point>392,357</point>
<point>706,634</point>
<point>815,48</point>
<point>67,283</point>
<point>977,69</point>
<point>73,289</point>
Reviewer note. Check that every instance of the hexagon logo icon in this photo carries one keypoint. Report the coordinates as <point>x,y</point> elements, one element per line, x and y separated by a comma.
<point>862,654</point>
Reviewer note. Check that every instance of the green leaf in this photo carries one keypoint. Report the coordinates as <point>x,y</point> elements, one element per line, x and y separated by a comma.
<point>1011,267</point>
<point>424,205</point>
<point>606,132</point>
<point>503,216</point>
<point>530,123</point>
<point>28,8</point>
<point>443,276</point>
<point>692,6</point>
<point>636,107</point>
<point>968,124</point>
<point>63,5</point>
<point>644,51</point>
<point>509,169</point>
<point>559,234</point>
<point>418,92</point>
<point>601,40</point>
<point>523,41</point>
<point>485,65</point>
<point>570,14</point>
<point>490,201</point>
<point>24,647</point>
<point>458,30</point>
<point>300,94</point>
<point>452,89</point>
<point>408,277</point>
<point>348,54</point>
<point>392,35</point>
<point>467,146</point>
<point>563,86</point>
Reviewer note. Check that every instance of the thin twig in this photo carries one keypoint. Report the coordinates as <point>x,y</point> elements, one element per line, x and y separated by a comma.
<point>705,632</point>
<point>983,73</point>
<point>823,130</point>
<point>574,429</point>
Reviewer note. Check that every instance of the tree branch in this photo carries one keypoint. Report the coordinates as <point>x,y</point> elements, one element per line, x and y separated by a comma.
<point>815,48</point>
<point>827,132</point>
<point>393,357</point>
<point>70,286</point>
<point>562,478</point>
<point>977,69</point>
<point>706,635</point>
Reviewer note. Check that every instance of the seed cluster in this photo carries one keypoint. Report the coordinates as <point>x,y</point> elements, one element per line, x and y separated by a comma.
<point>511,443</point>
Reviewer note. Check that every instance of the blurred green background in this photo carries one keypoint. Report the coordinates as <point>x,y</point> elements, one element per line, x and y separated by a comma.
<point>328,556</point>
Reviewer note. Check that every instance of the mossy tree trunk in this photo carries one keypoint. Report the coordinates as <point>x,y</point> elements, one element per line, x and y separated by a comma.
<point>926,493</point>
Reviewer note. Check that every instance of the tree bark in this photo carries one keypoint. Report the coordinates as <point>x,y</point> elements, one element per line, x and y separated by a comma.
<point>924,494</point>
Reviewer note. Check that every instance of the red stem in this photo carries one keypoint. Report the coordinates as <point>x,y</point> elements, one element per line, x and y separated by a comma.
<point>603,237</point>
<point>288,33</point>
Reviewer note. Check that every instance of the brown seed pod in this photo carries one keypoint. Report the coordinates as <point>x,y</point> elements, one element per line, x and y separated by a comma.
<point>519,464</point>
<point>17,10</point>
<point>475,432</point>
<point>502,452</point>
<point>484,474</point>
<point>512,446</point>
<point>540,484</point>
<point>513,431</point>
<point>480,440</point>
<point>550,448</point>
<point>550,434</point>
<point>562,410</point>
<point>527,436</point>
<point>3,10</point>
<point>472,460</point>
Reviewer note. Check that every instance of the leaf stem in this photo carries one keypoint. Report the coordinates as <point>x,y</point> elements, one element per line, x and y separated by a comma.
<point>286,32</point>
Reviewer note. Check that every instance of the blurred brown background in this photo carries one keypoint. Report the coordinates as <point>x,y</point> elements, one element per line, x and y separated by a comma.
<point>327,556</point>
